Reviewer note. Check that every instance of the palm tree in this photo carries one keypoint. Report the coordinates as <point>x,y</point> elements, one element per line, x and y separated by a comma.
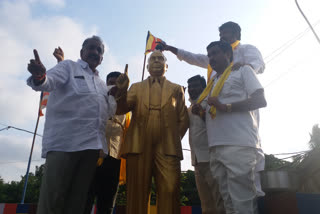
<point>314,142</point>
<point>314,145</point>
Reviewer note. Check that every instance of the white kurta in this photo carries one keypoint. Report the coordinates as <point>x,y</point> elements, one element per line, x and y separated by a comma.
<point>198,138</point>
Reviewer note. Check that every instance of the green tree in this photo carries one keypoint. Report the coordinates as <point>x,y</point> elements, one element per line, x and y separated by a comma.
<point>189,193</point>
<point>272,162</point>
<point>2,194</point>
<point>121,196</point>
<point>11,192</point>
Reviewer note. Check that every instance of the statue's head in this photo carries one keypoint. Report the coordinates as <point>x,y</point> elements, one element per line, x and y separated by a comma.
<point>157,65</point>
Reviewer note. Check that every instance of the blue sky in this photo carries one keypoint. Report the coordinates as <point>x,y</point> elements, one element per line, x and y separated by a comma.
<point>291,77</point>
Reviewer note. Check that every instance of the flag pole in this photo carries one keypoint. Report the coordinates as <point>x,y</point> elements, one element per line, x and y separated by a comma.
<point>144,65</point>
<point>30,156</point>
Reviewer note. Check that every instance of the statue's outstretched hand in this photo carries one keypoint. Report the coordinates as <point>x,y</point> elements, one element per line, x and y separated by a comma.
<point>122,82</point>
<point>35,67</point>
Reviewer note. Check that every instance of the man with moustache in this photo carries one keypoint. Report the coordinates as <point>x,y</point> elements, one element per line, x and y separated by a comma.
<point>78,107</point>
<point>232,97</point>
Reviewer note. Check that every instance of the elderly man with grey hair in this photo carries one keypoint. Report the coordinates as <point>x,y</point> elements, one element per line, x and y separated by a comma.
<point>78,107</point>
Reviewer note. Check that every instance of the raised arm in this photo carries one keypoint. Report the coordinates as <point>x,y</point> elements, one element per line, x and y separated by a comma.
<point>125,99</point>
<point>200,60</point>
<point>37,69</point>
<point>41,80</point>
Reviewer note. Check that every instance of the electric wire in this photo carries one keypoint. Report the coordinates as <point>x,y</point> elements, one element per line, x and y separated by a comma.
<point>12,162</point>
<point>19,129</point>
<point>287,44</point>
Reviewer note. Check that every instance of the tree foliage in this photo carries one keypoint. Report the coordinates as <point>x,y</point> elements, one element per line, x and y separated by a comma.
<point>11,192</point>
<point>314,142</point>
<point>272,162</point>
<point>189,193</point>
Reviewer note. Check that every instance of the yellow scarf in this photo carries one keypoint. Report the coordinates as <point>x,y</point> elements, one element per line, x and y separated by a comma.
<point>233,45</point>
<point>216,90</point>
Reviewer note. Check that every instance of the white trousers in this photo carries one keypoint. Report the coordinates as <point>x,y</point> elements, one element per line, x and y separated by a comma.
<point>234,167</point>
<point>259,167</point>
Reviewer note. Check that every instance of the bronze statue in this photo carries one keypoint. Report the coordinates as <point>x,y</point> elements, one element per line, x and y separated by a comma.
<point>153,141</point>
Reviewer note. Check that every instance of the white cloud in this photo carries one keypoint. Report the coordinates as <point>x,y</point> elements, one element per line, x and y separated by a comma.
<point>57,3</point>
<point>52,3</point>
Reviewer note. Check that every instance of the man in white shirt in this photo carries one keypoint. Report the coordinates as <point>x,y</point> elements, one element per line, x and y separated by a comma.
<point>211,200</point>
<point>77,111</point>
<point>233,129</point>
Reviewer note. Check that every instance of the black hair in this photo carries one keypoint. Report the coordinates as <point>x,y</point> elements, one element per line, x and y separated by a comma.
<point>199,78</point>
<point>97,38</point>
<point>236,30</point>
<point>224,46</point>
<point>113,74</point>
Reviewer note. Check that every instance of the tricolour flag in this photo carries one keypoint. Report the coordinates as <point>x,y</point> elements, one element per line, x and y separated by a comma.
<point>152,43</point>
<point>44,99</point>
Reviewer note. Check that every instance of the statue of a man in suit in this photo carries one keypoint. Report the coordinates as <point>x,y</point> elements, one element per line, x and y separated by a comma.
<point>153,141</point>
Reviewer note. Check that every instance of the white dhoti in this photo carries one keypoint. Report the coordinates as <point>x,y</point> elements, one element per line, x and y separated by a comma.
<point>235,168</point>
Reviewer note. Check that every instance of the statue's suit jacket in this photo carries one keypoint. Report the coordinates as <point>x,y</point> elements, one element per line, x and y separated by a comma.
<point>174,117</point>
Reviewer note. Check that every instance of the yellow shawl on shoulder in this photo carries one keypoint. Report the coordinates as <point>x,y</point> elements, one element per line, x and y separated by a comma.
<point>216,90</point>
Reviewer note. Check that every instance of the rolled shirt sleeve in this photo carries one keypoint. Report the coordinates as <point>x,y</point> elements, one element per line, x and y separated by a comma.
<point>55,78</point>
<point>250,80</point>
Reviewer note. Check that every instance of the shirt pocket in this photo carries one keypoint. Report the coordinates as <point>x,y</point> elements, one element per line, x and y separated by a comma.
<point>81,84</point>
<point>232,86</point>
<point>226,89</point>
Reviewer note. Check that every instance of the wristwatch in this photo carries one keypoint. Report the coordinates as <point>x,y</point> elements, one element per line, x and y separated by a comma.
<point>229,107</point>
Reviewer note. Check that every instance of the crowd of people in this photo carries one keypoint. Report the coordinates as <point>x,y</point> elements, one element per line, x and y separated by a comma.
<point>93,128</point>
